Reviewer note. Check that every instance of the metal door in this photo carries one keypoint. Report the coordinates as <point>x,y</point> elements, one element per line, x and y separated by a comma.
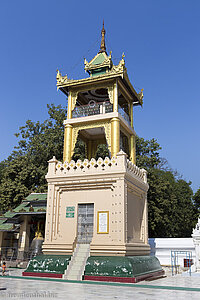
<point>85,223</point>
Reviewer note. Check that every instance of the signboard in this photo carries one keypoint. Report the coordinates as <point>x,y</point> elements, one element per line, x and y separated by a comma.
<point>102,222</point>
<point>70,211</point>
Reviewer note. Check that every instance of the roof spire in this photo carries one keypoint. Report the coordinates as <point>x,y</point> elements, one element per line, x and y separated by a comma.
<point>103,45</point>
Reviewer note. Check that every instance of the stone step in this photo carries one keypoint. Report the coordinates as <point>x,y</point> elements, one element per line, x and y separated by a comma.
<point>74,273</point>
<point>79,259</point>
<point>76,267</point>
<point>73,278</point>
<point>81,251</point>
<point>77,264</point>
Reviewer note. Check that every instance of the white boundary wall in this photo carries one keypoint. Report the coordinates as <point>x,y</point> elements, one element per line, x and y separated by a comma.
<point>161,248</point>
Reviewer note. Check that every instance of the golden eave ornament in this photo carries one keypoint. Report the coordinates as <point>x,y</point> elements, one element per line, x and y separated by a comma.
<point>141,96</point>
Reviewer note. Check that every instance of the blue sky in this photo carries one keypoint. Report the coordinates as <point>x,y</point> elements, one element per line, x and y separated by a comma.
<point>162,52</point>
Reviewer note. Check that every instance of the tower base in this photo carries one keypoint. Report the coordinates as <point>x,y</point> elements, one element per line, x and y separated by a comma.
<point>129,269</point>
<point>102,203</point>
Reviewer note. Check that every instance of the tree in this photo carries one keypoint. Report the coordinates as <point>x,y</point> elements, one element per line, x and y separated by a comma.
<point>25,169</point>
<point>187,213</point>
<point>171,210</point>
<point>147,153</point>
<point>196,199</point>
<point>79,150</point>
<point>1,170</point>
<point>102,151</point>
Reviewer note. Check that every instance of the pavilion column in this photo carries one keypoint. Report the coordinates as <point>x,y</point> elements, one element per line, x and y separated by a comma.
<point>131,113</point>
<point>115,136</point>
<point>69,111</point>
<point>115,100</point>
<point>133,149</point>
<point>67,143</point>
<point>23,245</point>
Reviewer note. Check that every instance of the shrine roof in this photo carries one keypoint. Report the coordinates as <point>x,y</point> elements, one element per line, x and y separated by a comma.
<point>31,205</point>
<point>8,227</point>
<point>36,197</point>
<point>98,59</point>
<point>102,78</point>
<point>101,70</point>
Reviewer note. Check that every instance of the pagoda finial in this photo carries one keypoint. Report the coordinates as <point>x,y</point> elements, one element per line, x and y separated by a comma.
<point>103,45</point>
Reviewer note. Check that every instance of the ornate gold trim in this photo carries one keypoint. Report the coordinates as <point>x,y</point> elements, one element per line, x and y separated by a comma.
<point>74,96</point>
<point>105,125</point>
<point>107,213</point>
<point>110,93</point>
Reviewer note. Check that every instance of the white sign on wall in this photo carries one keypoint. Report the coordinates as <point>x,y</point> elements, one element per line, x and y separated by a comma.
<point>102,222</point>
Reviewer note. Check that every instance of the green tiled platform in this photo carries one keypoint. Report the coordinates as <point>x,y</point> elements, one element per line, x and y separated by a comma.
<point>124,266</point>
<point>122,269</point>
<point>98,268</point>
<point>47,266</point>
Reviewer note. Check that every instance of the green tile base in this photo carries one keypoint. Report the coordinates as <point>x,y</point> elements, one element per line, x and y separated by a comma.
<point>56,264</point>
<point>100,268</point>
<point>124,266</point>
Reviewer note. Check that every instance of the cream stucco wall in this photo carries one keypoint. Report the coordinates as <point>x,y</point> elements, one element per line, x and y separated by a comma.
<point>116,186</point>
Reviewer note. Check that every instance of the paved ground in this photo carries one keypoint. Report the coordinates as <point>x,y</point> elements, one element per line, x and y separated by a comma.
<point>176,287</point>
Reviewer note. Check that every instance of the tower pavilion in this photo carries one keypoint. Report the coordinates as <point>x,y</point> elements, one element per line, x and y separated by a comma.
<point>98,207</point>
<point>100,107</point>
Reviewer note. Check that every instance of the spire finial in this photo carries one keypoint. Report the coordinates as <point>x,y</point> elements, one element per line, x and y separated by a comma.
<point>103,45</point>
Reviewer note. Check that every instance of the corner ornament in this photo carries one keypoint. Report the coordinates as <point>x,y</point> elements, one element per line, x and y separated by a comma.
<point>61,79</point>
<point>141,96</point>
<point>120,67</point>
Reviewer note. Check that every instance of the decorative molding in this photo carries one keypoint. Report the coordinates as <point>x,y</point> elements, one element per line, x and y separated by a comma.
<point>140,173</point>
<point>106,125</point>
<point>74,96</point>
<point>120,68</point>
<point>141,96</point>
<point>118,163</point>
<point>61,79</point>
<point>89,185</point>
<point>104,164</point>
<point>110,93</point>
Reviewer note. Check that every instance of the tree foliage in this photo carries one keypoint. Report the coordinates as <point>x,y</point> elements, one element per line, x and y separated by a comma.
<point>172,212</point>
<point>196,199</point>
<point>79,150</point>
<point>147,153</point>
<point>102,151</point>
<point>25,169</point>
